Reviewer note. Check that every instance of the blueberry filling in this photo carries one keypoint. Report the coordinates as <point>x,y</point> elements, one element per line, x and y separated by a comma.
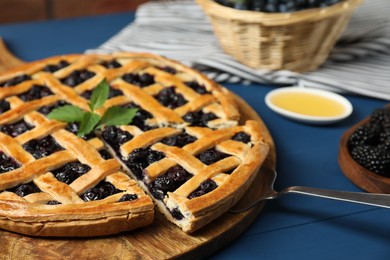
<point>74,128</point>
<point>176,214</point>
<point>47,109</point>
<point>205,187</point>
<point>7,163</point>
<point>179,140</point>
<point>54,67</point>
<point>105,154</point>
<point>112,93</point>
<point>168,69</point>
<point>115,137</point>
<point>242,137</point>
<point>201,89</point>
<point>169,98</point>
<point>199,118</point>
<point>40,148</point>
<point>141,158</point>
<point>140,80</point>
<point>211,156</point>
<point>140,117</point>
<point>128,197</point>
<point>4,106</point>
<point>71,171</point>
<point>53,202</point>
<point>36,92</point>
<point>112,64</point>
<point>102,190</point>
<point>25,189</point>
<point>16,129</point>
<point>77,77</point>
<point>14,81</point>
<point>169,181</point>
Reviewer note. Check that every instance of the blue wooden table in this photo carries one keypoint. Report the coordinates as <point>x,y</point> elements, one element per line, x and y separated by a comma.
<point>295,226</point>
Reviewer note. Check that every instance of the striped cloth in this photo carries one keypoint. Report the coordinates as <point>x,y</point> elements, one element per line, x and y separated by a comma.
<point>359,63</point>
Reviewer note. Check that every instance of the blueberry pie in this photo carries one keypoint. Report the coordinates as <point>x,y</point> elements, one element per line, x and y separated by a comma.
<point>184,152</point>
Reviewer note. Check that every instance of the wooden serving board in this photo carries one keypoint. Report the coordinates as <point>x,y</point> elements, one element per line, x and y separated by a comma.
<point>160,240</point>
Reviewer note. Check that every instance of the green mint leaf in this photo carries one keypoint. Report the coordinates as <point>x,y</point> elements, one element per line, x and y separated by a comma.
<point>118,116</point>
<point>99,95</point>
<point>88,123</point>
<point>68,113</point>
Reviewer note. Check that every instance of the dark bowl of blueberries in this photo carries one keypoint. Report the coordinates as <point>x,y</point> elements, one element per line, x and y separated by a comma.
<point>295,35</point>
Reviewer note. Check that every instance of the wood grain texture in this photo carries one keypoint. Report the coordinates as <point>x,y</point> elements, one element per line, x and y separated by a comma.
<point>360,176</point>
<point>22,10</point>
<point>161,240</point>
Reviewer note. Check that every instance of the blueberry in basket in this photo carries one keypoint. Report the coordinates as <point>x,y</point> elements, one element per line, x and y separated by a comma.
<point>277,6</point>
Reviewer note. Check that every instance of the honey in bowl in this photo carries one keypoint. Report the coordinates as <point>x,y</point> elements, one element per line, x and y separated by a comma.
<point>309,105</point>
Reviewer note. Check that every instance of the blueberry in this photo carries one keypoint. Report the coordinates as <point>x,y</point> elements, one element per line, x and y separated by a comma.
<point>66,177</point>
<point>176,214</point>
<point>241,137</point>
<point>205,187</point>
<point>71,171</point>
<point>136,169</point>
<point>169,181</point>
<point>141,80</point>
<point>201,89</point>
<point>54,67</point>
<point>114,92</point>
<point>198,118</point>
<point>92,194</point>
<point>154,156</point>
<point>107,189</point>
<point>168,69</point>
<point>105,154</point>
<point>4,106</point>
<point>115,137</point>
<point>206,117</point>
<point>211,156</point>
<point>7,163</point>
<point>77,77</point>
<point>193,118</point>
<point>164,183</point>
<point>169,98</point>
<point>128,197</point>
<point>40,148</point>
<point>16,80</point>
<point>138,155</point>
<point>36,92</point>
<point>102,190</point>
<point>16,129</point>
<point>179,140</point>
<point>25,189</point>
<point>112,64</point>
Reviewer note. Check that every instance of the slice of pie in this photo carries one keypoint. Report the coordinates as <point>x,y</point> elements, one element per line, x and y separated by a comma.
<point>184,149</point>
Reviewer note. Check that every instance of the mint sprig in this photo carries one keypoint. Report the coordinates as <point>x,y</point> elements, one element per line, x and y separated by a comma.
<point>89,120</point>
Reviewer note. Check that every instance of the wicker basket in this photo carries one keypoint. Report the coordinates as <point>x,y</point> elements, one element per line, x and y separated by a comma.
<point>299,41</point>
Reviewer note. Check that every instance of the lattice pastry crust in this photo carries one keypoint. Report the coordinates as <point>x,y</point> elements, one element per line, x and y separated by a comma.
<point>185,147</point>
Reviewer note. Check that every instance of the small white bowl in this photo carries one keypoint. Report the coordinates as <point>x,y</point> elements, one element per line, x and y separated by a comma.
<point>307,105</point>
